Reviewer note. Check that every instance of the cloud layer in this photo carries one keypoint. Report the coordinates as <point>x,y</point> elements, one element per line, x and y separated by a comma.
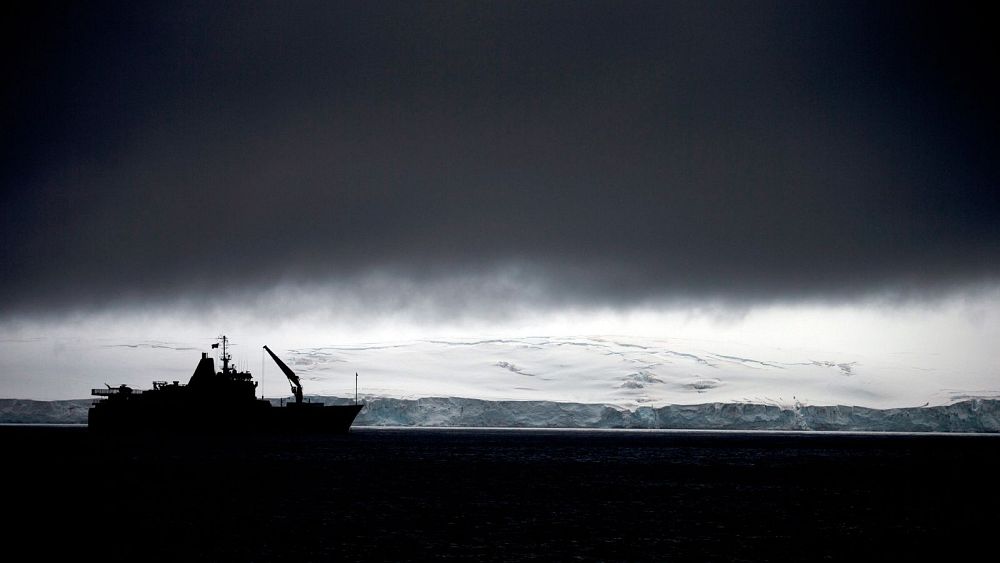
<point>545,153</point>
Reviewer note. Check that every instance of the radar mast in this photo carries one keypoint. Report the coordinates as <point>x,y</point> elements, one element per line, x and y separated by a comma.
<point>225,355</point>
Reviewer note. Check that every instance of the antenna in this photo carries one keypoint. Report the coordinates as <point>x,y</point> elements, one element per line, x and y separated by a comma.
<point>355,388</point>
<point>225,355</point>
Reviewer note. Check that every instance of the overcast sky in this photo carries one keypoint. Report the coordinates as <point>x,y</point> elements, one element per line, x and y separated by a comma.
<point>465,160</point>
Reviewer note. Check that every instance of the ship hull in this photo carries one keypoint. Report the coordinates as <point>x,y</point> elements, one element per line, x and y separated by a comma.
<point>252,417</point>
<point>312,417</point>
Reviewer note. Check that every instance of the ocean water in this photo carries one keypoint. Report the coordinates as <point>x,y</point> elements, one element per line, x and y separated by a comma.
<point>501,495</point>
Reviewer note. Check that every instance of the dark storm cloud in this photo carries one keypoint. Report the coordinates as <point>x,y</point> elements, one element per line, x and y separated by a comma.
<point>613,152</point>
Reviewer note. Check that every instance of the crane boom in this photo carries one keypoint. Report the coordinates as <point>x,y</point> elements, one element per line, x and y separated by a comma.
<point>292,378</point>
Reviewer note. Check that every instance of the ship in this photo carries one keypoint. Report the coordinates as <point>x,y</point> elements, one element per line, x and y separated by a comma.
<point>216,401</point>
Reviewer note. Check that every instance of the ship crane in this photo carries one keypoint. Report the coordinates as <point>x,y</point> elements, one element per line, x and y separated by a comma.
<point>292,378</point>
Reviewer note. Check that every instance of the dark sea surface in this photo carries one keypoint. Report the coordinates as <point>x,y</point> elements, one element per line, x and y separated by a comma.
<point>498,495</point>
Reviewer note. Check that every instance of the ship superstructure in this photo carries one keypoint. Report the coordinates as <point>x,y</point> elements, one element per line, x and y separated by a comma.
<point>213,401</point>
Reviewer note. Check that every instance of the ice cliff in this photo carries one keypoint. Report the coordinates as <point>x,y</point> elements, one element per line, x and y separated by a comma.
<point>24,411</point>
<point>975,415</point>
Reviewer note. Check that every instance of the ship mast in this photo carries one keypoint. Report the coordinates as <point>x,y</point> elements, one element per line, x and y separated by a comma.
<point>225,356</point>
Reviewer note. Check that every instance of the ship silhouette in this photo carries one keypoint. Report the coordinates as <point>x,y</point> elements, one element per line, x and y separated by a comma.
<point>211,401</point>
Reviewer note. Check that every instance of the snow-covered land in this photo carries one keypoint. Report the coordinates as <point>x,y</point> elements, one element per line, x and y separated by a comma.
<point>634,372</point>
<point>966,416</point>
<point>562,382</point>
<point>627,372</point>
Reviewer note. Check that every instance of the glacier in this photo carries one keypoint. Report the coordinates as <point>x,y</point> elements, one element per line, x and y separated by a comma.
<point>549,382</point>
<point>977,415</point>
<point>973,415</point>
<point>622,371</point>
<point>27,411</point>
